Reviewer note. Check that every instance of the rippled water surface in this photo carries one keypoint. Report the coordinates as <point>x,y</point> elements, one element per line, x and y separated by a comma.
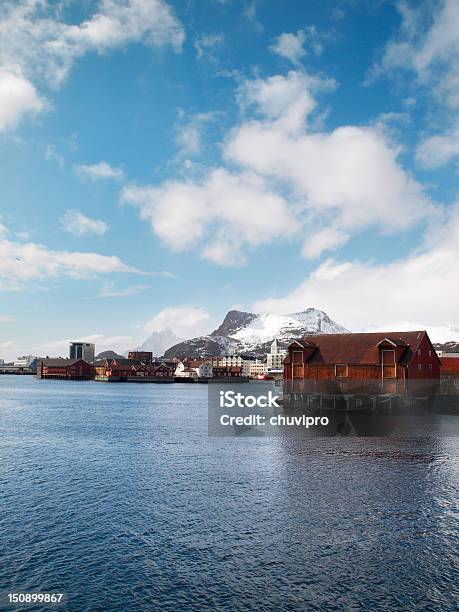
<point>115,495</point>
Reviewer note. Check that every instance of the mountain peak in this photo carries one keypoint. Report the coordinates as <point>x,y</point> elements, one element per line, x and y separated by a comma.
<point>234,321</point>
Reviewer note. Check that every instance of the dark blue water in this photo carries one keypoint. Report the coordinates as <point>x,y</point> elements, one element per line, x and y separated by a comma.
<point>115,495</point>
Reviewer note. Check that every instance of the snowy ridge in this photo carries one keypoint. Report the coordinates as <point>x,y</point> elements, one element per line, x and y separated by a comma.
<point>245,332</point>
<point>265,327</point>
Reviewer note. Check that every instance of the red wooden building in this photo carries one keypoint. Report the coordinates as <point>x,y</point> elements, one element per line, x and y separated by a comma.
<point>227,372</point>
<point>65,369</point>
<point>449,366</point>
<point>377,355</point>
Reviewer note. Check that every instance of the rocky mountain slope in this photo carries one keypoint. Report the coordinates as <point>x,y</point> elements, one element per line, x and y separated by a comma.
<point>246,332</point>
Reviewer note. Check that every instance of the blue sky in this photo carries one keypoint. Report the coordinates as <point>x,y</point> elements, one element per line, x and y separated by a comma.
<point>163,162</point>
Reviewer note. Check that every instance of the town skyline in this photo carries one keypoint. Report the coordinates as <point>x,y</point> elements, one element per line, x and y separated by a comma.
<point>159,171</point>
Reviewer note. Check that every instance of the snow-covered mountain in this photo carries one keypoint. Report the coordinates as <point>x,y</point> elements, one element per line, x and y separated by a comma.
<point>265,327</point>
<point>159,341</point>
<point>246,332</point>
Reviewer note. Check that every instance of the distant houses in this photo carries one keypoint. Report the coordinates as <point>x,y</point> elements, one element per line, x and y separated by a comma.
<point>339,357</point>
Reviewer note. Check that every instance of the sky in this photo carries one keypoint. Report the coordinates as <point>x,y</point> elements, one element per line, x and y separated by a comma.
<point>164,162</point>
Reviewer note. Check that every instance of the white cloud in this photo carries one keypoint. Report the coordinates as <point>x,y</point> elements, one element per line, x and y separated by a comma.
<point>195,214</point>
<point>22,262</point>
<point>207,44</point>
<point>327,239</point>
<point>437,150</point>
<point>6,344</point>
<point>428,45</point>
<point>284,101</point>
<point>290,181</point>
<point>346,180</point>
<point>291,46</point>
<point>17,97</point>
<point>184,321</point>
<point>364,295</point>
<point>76,223</point>
<point>108,290</point>
<point>101,170</point>
<point>189,131</point>
<point>6,319</point>
<point>38,48</point>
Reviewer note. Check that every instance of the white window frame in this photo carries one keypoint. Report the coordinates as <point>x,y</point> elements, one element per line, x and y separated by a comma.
<point>341,365</point>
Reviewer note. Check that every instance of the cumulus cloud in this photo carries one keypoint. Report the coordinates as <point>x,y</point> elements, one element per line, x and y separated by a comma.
<point>17,97</point>
<point>101,170</point>
<point>291,46</point>
<point>185,321</point>
<point>38,48</point>
<point>428,45</point>
<point>287,180</point>
<point>22,262</point>
<point>346,179</point>
<point>361,295</point>
<point>76,223</point>
<point>195,214</point>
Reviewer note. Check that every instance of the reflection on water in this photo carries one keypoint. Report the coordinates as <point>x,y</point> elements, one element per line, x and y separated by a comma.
<point>115,494</point>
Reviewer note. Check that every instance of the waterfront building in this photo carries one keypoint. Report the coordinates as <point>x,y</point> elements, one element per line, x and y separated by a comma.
<point>227,372</point>
<point>202,367</point>
<point>82,350</point>
<point>26,361</point>
<point>132,370</point>
<point>449,367</point>
<point>64,369</point>
<point>257,368</point>
<point>377,355</point>
<point>275,358</point>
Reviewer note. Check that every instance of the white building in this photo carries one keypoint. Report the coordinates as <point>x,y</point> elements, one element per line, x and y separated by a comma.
<point>257,367</point>
<point>276,356</point>
<point>25,361</point>
<point>205,370</point>
<point>230,360</point>
<point>193,368</point>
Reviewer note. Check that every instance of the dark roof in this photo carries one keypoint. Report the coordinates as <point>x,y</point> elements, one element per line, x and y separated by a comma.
<point>60,361</point>
<point>359,348</point>
<point>305,343</point>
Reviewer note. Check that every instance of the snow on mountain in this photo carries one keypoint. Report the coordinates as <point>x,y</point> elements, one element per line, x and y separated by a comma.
<point>159,341</point>
<point>265,327</point>
<point>246,332</point>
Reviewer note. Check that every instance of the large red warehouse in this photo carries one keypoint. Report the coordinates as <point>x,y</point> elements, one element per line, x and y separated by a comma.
<point>377,355</point>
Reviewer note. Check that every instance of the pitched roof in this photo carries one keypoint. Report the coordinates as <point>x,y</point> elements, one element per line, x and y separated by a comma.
<point>60,362</point>
<point>360,348</point>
